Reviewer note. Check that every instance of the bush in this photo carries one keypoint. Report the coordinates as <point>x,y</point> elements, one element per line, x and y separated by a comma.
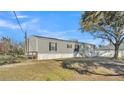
<point>8,59</point>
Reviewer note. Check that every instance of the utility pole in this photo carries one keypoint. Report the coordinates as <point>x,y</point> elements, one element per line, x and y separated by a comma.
<point>26,41</point>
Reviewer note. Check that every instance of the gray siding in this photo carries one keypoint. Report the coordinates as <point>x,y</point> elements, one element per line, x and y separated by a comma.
<point>32,44</point>
<point>41,45</point>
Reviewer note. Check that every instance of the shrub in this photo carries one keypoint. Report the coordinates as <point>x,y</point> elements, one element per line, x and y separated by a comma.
<point>8,59</point>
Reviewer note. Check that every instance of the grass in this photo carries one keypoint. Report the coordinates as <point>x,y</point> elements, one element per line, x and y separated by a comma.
<point>47,70</point>
<point>40,70</point>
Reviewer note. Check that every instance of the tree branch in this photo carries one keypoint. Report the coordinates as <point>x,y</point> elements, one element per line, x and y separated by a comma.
<point>107,38</point>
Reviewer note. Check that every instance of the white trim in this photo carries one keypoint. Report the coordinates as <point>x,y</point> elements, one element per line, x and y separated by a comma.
<point>54,56</point>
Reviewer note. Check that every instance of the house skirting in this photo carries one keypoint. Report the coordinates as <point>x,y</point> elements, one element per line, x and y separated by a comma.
<point>55,56</point>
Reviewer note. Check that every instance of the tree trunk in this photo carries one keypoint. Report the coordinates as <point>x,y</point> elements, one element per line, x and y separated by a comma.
<point>116,51</point>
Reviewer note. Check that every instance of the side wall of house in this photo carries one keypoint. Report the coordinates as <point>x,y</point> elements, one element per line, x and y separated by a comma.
<point>61,52</point>
<point>32,44</point>
<point>41,45</point>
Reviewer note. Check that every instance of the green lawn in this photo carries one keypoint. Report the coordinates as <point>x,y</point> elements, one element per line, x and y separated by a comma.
<point>46,70</point>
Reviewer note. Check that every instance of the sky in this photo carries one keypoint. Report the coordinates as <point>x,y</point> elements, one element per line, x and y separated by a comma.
<point>56,24</point>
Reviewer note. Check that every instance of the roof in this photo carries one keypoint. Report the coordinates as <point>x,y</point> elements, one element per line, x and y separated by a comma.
<point>62,40</point>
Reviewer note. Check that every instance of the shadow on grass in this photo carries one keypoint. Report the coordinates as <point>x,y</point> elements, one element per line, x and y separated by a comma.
<point>107,63</point>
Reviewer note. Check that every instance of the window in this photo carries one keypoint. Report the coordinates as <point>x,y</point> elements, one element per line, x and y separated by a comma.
<point>69,45</point>
<point>52,46</point>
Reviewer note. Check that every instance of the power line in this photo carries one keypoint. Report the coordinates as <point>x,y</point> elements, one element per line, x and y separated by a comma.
<point>18,22</point>
<point>25,33</point>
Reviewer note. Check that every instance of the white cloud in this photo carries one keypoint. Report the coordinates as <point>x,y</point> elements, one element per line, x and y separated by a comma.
<point>22,16</point>
<point>52,34</point>
<point>31,25</point>
<point>25,25</point>
<point>7,24</point>
<point>56,34</point>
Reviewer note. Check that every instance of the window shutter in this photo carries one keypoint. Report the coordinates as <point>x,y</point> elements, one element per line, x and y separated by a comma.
<point>55,46</point>
<point>49,46</point>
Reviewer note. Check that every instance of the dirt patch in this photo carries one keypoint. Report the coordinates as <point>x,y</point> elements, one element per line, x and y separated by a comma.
<point>96,66</point>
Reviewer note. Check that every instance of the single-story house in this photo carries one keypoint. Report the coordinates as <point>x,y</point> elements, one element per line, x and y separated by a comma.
<point>108,50</point>
<point>52,48</point>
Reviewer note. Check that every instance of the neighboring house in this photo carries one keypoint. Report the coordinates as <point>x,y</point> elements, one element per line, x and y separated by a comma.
<point>108,50</point>
<point>52,48</point>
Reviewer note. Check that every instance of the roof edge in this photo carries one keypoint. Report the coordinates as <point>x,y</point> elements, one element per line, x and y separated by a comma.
<point>59,39</point>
